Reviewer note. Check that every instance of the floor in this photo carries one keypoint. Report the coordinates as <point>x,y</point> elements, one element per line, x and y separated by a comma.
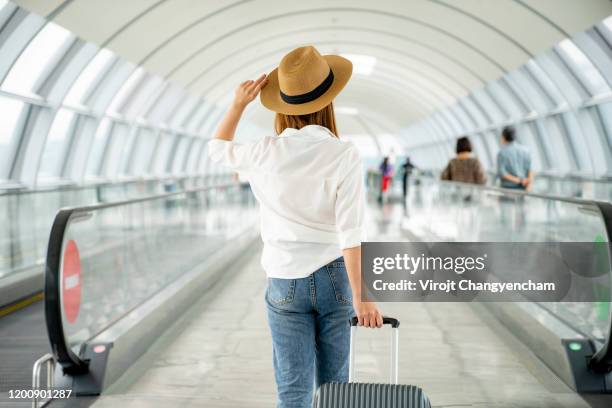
<point>219,355</point>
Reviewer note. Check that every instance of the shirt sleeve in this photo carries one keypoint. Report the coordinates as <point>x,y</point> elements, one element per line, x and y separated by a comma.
<point>234,155</point>
<point>501,165</point>
<point>350,202</point>
<point>481,178</point>
<point>446,173</point>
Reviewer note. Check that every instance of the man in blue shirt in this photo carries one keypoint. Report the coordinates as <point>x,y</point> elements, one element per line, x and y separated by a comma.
<point>514,162</point>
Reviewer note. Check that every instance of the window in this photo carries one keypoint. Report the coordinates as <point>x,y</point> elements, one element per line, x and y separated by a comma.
<point>552,90</point>
<point>116,145</point>
<point>561,159</point>
<point>87,78</point>
<point>504,96</point>
<point>99,145</point>
<point>583,67</point>
<point>145,144</point>
<point>194,155</point>
<point>489,106</point>
<point>127,152</point>
<point>126,90</point>
<point>178,161</point>
<point>35,59</point>
<point>475,112</point>
<point>522,82</point>
<point>55,145</point>
<point>161,155</point>
<point>9,119</point>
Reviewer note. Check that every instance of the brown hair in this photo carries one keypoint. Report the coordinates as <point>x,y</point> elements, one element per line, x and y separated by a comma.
<point>325,117</point>
<point>463,145</point>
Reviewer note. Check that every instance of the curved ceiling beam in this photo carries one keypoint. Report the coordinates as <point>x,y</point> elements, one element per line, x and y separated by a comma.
<point>189,27</point>
<point>234,53</point>
<point>486,24</point>
<point>303,13</point>
<point>544,18</point>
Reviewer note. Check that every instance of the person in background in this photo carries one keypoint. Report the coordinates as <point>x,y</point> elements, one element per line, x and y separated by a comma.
<point>407,168</point>
<point>464,168</point>
<point>386,173</point>
<point>514,162</point>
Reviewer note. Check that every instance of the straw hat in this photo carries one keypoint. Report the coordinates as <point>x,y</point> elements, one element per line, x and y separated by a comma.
<point>305,81</point>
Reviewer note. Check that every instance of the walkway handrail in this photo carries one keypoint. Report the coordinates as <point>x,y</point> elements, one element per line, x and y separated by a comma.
<point>22,190</point>
<point>601,362</point>
<point>512,192</point>
<point>70,362</point>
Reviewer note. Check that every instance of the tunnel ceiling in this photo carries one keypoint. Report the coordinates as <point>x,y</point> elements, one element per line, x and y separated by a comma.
<point>427,52</point>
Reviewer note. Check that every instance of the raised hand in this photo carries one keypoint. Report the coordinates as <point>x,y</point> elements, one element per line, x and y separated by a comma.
<point>248,91</point>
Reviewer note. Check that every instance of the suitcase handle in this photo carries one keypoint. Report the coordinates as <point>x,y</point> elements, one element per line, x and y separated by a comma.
<point>393,363</point>
<point>386,320</point>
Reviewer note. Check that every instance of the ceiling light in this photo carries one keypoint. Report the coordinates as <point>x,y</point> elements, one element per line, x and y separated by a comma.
<point>362,64</point>
<point>346,110</point>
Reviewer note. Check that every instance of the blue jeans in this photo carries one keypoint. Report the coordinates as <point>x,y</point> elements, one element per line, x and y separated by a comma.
<point>309,321</point>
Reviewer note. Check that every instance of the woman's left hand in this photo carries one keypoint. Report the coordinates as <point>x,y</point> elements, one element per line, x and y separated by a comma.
<point>248,91</point>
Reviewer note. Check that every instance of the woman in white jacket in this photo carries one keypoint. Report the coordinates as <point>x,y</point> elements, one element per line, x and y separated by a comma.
<point>309,185</point>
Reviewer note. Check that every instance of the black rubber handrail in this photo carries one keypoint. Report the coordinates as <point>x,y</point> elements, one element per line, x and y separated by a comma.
<point>71,363</point>
<point>513,192</point>
<point>601,362</point>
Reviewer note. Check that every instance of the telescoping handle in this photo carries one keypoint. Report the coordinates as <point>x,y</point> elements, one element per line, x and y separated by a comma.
<point>394,352</point>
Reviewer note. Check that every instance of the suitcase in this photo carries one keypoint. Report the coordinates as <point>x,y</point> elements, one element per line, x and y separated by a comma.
<point>364,395</point>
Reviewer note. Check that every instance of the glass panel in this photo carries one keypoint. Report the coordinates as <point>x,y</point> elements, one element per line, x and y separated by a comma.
<point>606,114</point>
<point>82,86</point>
<point>577,141</point>
<point>10,112</point>
<point>55,145</point>
<point>150,245</point>
<point>118,138</point>
<point>489,105</point>
<point>529,89</point>
<point>145,143</point>
<point>194,155</point>
<point>161,155</point>
<point>125,91</point>
<point>178,161</point>
<point>562,161</point>
<point>551,63</point>
<point>35,59</point>
<point>475,112</point>
<point>583,67</point>
<point>99,145</point>
<point>457,212</point>
<point>127,151</point>
<point>505,97</point>
<point>596,144</point>
<point>544,80</point>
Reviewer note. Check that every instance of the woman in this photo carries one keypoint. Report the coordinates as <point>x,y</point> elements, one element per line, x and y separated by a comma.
<point>464,167</point>
<point>386,171</point>
<point>308,183</point>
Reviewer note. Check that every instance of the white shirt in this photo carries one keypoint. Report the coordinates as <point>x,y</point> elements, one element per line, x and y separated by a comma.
<point>309,185</point>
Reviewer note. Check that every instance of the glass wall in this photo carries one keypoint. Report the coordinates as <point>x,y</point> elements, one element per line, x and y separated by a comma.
<point>72,112</point>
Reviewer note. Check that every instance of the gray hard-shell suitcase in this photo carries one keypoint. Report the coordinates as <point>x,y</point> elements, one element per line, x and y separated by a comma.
<point>364,395</point>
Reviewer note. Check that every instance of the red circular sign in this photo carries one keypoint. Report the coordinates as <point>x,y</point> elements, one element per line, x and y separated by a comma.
<point>71,281</point>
